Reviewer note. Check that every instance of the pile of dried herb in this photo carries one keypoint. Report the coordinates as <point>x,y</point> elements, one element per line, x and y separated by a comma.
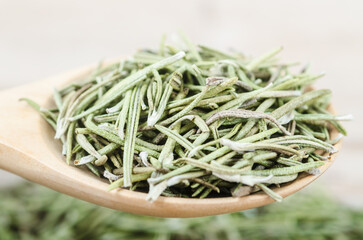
<point>193,121</point>
<point>32,212</point>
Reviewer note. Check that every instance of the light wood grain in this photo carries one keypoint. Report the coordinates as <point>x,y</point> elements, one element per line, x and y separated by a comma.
<point>27,148</point>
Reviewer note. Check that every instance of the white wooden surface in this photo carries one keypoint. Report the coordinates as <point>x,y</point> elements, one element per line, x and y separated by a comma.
<point>40,38</point>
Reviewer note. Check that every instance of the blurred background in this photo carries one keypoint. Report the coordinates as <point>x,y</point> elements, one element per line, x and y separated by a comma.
<point>41,38</point>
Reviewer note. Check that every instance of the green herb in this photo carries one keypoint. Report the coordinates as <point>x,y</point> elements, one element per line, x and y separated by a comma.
<point>30,211</point>
<point>228,124</point>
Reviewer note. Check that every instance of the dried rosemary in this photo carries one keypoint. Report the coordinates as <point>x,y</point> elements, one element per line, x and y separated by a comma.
<point>195,122</point>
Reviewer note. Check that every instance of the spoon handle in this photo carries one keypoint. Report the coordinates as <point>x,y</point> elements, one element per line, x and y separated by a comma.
<point>14,134</point>
<point>14,161</point>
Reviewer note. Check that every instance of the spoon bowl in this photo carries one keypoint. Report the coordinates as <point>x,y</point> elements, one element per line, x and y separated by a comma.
<point>28,149</point>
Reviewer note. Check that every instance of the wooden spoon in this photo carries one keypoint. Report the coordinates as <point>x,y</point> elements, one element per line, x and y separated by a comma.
<point>28,149</point>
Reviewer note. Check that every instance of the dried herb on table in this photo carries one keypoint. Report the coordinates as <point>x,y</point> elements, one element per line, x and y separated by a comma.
<point>30,211</point>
